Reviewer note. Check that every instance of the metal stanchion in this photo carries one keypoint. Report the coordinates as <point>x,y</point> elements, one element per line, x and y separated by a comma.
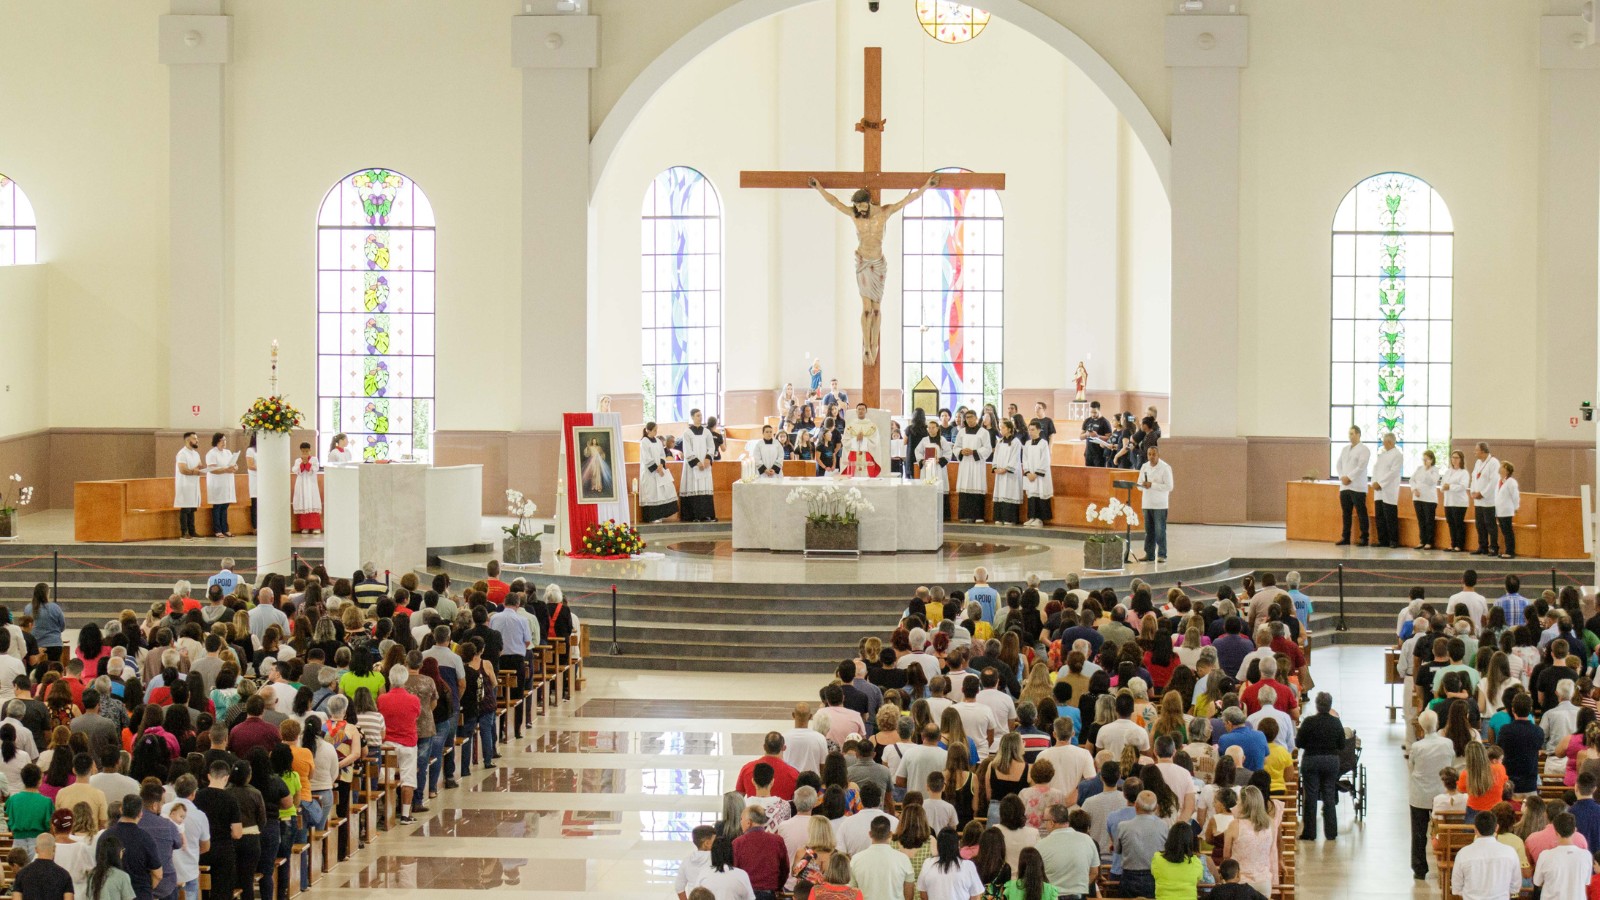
<point>1341,625</point>
<point>616,645</point>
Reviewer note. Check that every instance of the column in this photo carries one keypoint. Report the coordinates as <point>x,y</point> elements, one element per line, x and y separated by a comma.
<point>1092,163</point>
<point>556,54</point>
<point>194,45</point>
<point>1205,54</point>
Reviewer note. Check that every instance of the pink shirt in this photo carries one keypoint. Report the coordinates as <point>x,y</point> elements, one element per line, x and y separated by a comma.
<point>1541,841</point>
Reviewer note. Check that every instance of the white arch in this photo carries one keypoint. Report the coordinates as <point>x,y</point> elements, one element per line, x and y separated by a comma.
<point>746,12</point>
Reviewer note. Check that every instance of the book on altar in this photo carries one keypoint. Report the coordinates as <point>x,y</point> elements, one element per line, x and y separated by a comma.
<point>930,453</point>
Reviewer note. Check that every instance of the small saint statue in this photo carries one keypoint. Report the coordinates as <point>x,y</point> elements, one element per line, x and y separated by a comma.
<point>871,267</point>
<point>1080,378</point>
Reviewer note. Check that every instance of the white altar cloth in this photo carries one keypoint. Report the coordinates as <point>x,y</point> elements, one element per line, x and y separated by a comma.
<point>905,515</point>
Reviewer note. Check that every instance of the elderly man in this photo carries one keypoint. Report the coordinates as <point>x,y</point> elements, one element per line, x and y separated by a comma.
<point>1239,734</point>
<point>1561,720</point>
<point>266,614</point>
<point>1425,759</point>
<point>1251,696</point>
<point>982,594</point>
<point>1071,859</point>
<point>1267,697</point>
<point>1137,841</point>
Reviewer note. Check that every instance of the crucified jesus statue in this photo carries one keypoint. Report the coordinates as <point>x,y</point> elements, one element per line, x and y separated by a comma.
<point>871,267</point>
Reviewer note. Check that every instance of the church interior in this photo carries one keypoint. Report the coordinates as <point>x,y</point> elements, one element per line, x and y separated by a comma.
<point>510,343</point>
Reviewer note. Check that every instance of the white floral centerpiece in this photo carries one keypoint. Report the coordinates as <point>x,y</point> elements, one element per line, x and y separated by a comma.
<point>832,515</point>
<point>15,495</point>
<point>521,544</point>
<point>1105,551</point>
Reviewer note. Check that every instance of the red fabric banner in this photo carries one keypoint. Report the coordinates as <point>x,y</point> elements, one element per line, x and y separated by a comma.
<point>579,515</point>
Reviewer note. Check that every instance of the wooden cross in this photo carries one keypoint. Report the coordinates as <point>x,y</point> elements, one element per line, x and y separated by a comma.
<point>874,179</point>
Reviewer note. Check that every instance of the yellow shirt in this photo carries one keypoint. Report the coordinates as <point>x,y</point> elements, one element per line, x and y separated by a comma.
<point>982,631</point>
<point>1278,761</point>
<point>934,612</point>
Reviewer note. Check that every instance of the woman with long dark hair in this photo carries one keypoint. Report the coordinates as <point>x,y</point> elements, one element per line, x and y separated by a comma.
<point>1178,868</point>
<point>107,881</point>
<point>91,648</point>
<point>1160,660</point>
<point>724,879</point>
<point>253,819</point>
<point>1029,883</point>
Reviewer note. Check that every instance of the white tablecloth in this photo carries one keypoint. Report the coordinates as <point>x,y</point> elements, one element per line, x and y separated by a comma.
<point>905,516</point>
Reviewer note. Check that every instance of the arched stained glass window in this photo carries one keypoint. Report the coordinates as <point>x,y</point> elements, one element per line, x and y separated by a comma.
<point>1392,309</point>
<point>950,23</point>
<point>375,316</point>
<point>952,295</point>
<point>18,232</point>
<point>681,296</point>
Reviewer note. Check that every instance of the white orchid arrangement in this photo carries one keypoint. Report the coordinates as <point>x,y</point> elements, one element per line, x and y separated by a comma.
<point>832,505</point>
<point>1108,515</point>
<point>522,508</point>
<point>17,494</point>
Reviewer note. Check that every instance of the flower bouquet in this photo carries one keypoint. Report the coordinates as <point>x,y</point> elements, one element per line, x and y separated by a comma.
<point>609,540</point>
<point>521,546</point>
<point>832,516</point>
<point>1105,551</point>
<point>271,414</point>
<point>15,495</point>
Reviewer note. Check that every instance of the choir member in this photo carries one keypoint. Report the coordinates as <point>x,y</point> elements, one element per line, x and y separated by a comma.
<point>699,449</point>
<point>1456,484</point>
<point>1485,475</point>
<point>1007,475</point>
<point>1036,482</point>
<point>221,463</point>
<point>1352,473</point>
<point>973,449</point>
<point>186,484</point>
<point>1386,492</point>
<point>767,455</point>
<point>1425,498</point>
<point>1507,497</point>
<point>658,496</point>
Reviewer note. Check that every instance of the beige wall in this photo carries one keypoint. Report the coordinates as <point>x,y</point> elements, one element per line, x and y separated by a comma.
<point>24,356</point>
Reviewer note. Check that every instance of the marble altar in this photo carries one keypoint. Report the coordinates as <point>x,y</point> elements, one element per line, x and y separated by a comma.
<point>905,515</point>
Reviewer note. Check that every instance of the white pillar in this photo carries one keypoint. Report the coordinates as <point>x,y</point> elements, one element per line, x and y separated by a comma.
<point>1092,161</point>
<point>555,53</point>
<point>194,45</point>
<point>1205,54</point>
<point>272,503</point>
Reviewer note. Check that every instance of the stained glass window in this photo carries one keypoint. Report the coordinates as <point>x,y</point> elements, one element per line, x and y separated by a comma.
<point>952,295</point>
<point>1392,309</point>
<point>950,23</point>
<point>18,235</point>
<point>681,296</point>
<point>375,316</point>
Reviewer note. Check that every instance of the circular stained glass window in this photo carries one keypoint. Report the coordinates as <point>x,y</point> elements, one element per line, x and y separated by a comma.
<point>950,23</point>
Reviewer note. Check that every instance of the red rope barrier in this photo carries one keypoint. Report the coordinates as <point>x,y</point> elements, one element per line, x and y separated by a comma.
<point>22,563</point>
<point>95,565</point>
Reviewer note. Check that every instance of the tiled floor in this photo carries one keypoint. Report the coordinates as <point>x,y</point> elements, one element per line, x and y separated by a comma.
<point>598,802</point>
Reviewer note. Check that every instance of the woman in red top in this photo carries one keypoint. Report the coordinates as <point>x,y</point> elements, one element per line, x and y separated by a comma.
<point>836,881</point>
<point>1160,660</point>
<point>1483,781</point>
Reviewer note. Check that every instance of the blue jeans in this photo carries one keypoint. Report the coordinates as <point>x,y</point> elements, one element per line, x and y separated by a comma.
<point>1155,533</point>
<point>482,732</point>
<point>447,760</point>
<point>219,518</point>
<point>191,889</point>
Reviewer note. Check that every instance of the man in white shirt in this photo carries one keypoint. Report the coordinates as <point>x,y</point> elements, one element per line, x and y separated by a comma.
<point>1155,483</point>
<point>804,748</point>
<point>1476,603</point>
<point>697,863</point>
<point>1485,478</point>
<point>1072,763</point>
<point>1268,696</point>
<point>977,719</point>
<point>850,833</point>
<point>1115,735</point>
<point>881,872</point>
<point>918,655</point>
<point>998,701</point>
<point>186,473</point>
<point>917,761</point>
<point>1486,869</point>
<point>1425,758</point>
<point>1352,474</point>
<point>1071,857</point>
<point>1386,492</point>
<point>266,614</point>
<point>1564,870</point>
<point>1560,721</point>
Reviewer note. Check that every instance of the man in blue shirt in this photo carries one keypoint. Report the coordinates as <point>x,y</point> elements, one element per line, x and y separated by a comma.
<point>1514,604</point>
<point>981,593</point>
<point>1302,603</point>
<point>1586,810</point>
<point>166,837</point>
<point>515,639</point>
<point>1240,734</point>
<point>140,858</point>
<point>224,579</point>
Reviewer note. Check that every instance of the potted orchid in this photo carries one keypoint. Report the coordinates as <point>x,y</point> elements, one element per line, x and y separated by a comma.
<point>521,546</point>
<point>15,495</point>
<point>1105,551</point>
<point>832,516</point>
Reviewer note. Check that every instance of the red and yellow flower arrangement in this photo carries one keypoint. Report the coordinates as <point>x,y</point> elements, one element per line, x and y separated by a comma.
<point>611,538</point>
<point>271,414</point>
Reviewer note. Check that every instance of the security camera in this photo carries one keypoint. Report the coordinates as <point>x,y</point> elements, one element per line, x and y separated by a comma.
<point>1587,410</point>
<point>872,5</point>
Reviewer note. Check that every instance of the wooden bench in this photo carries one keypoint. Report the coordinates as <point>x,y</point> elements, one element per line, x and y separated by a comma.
<point>140,509</point>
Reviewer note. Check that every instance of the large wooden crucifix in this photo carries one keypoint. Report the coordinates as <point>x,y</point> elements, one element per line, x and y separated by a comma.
<point>868,212</point>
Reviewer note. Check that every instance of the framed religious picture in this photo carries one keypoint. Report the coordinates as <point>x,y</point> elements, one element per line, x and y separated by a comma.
<point>597,463</point>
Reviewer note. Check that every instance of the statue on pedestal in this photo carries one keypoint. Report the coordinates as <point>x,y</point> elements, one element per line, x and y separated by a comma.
<point>1080,379</point>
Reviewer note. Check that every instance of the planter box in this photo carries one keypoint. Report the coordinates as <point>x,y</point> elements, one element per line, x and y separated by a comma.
<point>8,523</point>
<point>521,551</point>
<point>822,536</point>
<point>1103,556</point>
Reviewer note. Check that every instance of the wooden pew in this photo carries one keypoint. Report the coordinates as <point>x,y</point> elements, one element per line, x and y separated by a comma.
<point>140,509</point>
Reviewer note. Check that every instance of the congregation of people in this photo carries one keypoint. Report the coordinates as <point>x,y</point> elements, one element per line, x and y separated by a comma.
<point>1504,761</point>
<point>219,732</point>
<point>1034,745</point>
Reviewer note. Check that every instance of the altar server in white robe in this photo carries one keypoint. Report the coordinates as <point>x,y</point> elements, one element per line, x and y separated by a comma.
<point>658,495</point>
<point>186,484</point>
<point>1425,498</point>
<point>1456,484</point>
<point>766,456</point>
<point>1352,472</point>
<point>306,503</point>
<point>932,454</point>
<point>1007,475</point>
<point>897,449</point>
<point>699,451</point>
<point>1036,483</point>
<point>1485,477</point>
<point>1386,468</point>
<point>973,450</point>
<point>1507,498</point>
<point>339,449</point>
<point>221,463</point>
